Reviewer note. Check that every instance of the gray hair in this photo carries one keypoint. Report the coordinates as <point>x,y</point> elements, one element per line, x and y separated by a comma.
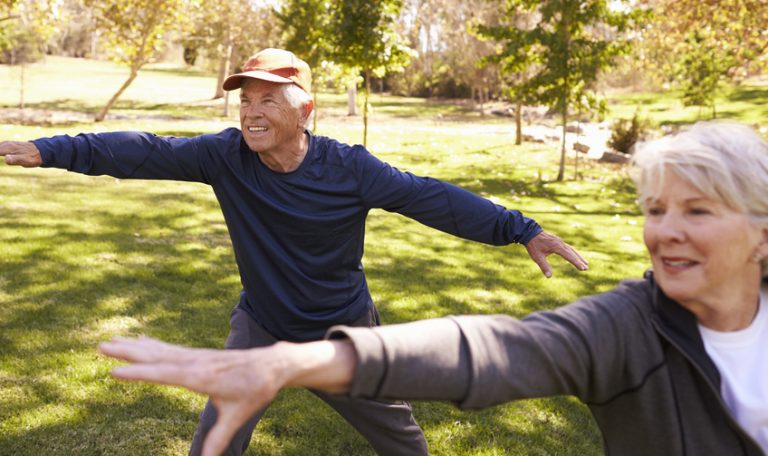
<point>727,162</point>
<point>297,98</point>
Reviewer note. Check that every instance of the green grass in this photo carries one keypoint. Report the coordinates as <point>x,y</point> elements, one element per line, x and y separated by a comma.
<point>746,103</point>
<point>85,258</point>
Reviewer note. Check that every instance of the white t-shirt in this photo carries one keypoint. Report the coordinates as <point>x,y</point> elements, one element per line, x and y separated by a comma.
<point>741,358</point>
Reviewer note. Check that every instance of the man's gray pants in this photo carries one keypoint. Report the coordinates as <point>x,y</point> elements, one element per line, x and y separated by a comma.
<point>388,426</point>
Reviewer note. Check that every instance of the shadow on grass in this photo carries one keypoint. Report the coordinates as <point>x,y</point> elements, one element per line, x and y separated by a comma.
<point>751,95</point>
<point>179,72</point>
<point>191,110</point>
<point>108,425</point>
<point>169,272</point>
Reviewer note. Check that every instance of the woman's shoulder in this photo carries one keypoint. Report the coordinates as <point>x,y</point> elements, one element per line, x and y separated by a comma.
<point>631,299</point>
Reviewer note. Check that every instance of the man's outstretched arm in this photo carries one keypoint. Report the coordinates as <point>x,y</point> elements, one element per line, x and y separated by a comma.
<point>238,382</point>
<point>20,153</point>
<point>457,211</point>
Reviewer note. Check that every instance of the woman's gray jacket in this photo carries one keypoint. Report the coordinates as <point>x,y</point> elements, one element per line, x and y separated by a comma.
<point>632,355</point>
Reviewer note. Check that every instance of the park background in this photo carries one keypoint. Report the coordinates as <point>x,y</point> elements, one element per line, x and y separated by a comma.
<point>435,86</point>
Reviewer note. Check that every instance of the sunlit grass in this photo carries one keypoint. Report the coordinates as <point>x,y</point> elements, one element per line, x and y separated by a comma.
<point>83,259</point>
<point>747,102</point>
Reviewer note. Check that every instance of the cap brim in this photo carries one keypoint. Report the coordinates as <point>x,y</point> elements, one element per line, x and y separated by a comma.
<point>236,80</point>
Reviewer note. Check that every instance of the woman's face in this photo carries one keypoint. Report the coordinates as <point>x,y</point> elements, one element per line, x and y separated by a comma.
<point>701,250</point>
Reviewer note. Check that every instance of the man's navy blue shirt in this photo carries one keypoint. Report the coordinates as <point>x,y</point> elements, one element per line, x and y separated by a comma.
<point>298,237</point>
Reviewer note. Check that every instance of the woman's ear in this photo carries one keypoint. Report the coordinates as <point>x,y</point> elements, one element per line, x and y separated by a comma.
<point>761,250</point>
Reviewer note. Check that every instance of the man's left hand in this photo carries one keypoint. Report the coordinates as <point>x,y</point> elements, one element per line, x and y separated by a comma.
<point>545,244</point>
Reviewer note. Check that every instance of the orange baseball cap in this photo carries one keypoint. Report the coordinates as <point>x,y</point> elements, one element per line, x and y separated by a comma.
<point>275,65</point>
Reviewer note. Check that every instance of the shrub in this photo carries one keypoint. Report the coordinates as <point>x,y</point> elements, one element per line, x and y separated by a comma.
<point>625,133</point>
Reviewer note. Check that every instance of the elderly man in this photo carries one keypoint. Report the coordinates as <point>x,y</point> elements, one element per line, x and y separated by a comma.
<point>295,205</point>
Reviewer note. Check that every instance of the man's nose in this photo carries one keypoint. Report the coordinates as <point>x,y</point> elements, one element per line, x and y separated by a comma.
<point>252,111</point>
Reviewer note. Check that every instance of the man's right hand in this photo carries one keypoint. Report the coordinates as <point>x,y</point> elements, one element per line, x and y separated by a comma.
<point>20,153</point>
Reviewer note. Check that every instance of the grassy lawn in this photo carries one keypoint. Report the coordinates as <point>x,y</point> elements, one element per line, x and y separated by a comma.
<point>746,103</point>
<point>83,259</point>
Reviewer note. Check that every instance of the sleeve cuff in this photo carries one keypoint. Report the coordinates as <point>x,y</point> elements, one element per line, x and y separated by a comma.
<point>371,364</point>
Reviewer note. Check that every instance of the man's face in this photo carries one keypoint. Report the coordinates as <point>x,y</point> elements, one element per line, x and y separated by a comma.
<point>269,123</point>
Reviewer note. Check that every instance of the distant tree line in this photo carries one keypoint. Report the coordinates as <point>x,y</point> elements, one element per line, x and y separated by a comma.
<point>551,52</point>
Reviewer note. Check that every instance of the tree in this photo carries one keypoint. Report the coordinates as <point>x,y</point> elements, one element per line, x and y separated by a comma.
<point>25,29</point>
<point>135,32</point>
<point>364,38</point>
<point>567,47</point>
<point>8,10</point>
<point>701,43</point>
<point>306,32</point>
<point>226,32</point>
<point>517,61</point>
<point>701,69</point>
<point>446,56</point>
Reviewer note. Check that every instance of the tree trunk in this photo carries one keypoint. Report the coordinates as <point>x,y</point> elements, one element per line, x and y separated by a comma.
<point>351,96</point>
<point>518,123</point>
<point>314,110</point>
<point>561,171</point>
<point>566,92</point>
<point>225,67</point>
<point>222,73</point>
<point>365,107</point>
<point>481,99</point>
<point>103,113</point>
<point>576,155</point>
<point>21,86</point>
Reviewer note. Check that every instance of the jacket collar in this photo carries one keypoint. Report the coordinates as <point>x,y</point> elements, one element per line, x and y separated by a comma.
<point>679,326</point>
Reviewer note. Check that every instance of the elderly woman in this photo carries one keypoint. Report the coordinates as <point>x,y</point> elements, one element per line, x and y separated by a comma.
<point>672,364</point>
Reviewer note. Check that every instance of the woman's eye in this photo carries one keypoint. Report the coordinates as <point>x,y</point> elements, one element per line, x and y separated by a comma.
<point>654,211</point>
<point>699,211</point>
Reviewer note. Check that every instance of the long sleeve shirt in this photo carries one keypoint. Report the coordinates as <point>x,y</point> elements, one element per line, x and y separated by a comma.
<point>298,237</point>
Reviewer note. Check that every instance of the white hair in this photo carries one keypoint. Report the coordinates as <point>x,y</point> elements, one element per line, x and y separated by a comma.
<point>727,162</point>
<point>297,98</point>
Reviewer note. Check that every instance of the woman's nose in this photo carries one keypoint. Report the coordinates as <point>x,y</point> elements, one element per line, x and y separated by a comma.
<point>671,227</point>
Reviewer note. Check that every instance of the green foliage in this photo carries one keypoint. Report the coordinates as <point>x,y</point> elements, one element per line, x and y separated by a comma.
<point>215,25</point>
<point>701,70</point>
<point>572,41</point>
<point>25,27</point>
<point>135,30</point>
<point>19,44</point>
<point>732,32</point>
<point>363,38</point>
<point>135,33</point>
<point>625,133</point>
<point>306,32</point>
<point>306,29</point>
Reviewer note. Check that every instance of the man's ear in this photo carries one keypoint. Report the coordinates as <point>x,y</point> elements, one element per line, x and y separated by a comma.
<point>306,111</point>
